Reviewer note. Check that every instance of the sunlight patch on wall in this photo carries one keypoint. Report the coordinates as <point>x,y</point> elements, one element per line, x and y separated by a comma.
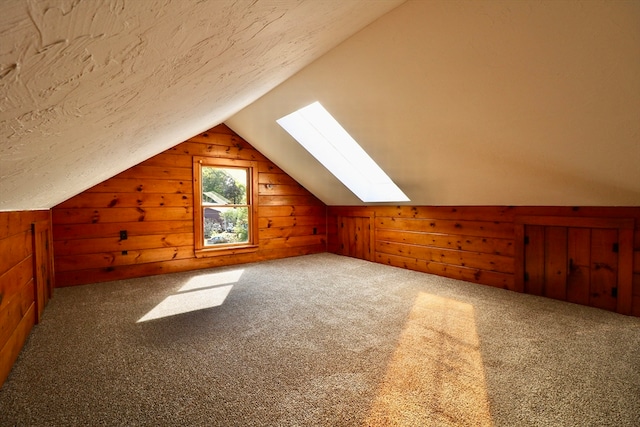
<point>436,375</point>
<point>326,140</point>
<point>199,293</point>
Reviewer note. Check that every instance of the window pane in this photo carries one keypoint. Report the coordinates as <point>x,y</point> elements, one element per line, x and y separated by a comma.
<point>224,186</point>
<point>226,225</point>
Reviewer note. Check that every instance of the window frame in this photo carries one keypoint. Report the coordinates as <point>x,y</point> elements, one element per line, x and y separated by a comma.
<point>200,249</point>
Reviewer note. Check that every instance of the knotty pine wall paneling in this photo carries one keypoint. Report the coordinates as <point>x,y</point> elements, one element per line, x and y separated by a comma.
<point>471,243</point>
<point>17,282</point>
<point>153,202</point>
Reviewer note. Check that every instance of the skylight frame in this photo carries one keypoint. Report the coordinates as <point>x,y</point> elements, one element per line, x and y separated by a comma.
<point>315,129</point>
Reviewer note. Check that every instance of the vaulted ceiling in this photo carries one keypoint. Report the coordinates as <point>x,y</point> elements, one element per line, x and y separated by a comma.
<point>460,102</point>
<point>92,88</point>
<point>477,103</point>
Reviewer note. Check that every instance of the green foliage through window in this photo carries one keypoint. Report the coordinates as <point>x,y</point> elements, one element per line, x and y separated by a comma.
<point>225,207</point>
<point>230,183</point>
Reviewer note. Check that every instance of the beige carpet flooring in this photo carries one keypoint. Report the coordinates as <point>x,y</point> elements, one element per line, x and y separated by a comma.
<point>321,340</point>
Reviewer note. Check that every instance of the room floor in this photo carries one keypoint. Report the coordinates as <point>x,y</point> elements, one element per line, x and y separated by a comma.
<point>321,340</point>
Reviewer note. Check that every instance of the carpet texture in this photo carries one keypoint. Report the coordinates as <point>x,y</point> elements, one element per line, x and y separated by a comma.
<point>321,340</point>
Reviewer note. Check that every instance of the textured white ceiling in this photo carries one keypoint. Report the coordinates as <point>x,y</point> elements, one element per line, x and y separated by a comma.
<point>477,103</point>
<point>91,88</point>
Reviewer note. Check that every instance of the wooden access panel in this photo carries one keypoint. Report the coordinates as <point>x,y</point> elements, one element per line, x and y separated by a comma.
<point>355,236</point>
<point>585,261</point>
<point>42,265</point>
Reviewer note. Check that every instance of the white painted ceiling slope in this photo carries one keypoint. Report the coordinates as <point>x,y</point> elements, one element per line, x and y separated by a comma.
<point>477,103</point>
<point>89,89</point>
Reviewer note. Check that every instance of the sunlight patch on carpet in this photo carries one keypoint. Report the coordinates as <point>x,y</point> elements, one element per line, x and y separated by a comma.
<point>435,376</point>
<point>199,293</point>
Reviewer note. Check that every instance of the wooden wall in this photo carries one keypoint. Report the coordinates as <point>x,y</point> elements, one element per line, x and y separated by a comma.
<point>475,244</point>
<point>153,201</point>
<point>18,306</point>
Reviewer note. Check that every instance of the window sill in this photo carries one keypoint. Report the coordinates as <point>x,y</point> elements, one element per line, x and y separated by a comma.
<point>234,250</point>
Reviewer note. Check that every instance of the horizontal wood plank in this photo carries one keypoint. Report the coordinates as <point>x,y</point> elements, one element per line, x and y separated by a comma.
<point>170,160</point>
<point>447,241</point>
<point>289,200</point>
<point>501,230</point>
<point>212,150</point>
<point>219,129</point>
<point>111,259</point>
<point>9,353</point>
<point>292,242</point>
<point>490,278</point>
<point>223,139</point>
<point>14,249</point>
<point>107,230</point>
<point>157,172</point>
<point>467,213</point>
<point>292,210</point>
<point>106,215</point>
<point>158,186</point>
<point>79,277</point>
<point>15,279</point>
<point>14,310</point>
<point>276,179</point>
<point>113,244</point>
<point>115,200</point>
<point>268,167</point>
<point>289,221</point>
<point>17,222</point>
<point>298,230</point>
<point>482,261</point>
<point>282,190</point>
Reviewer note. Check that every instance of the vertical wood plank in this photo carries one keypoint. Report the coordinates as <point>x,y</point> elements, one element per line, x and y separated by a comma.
<point>625,271</point>
<point>41,266</point>
<point>578,276</point>
<point>359,238</point>
<point>352,236</point>
<point>519,259</point>
<point>367,238</point>
<point>534,259</point>
<point>604,268</point>
<point>555,260</point>
<point>342,237</point>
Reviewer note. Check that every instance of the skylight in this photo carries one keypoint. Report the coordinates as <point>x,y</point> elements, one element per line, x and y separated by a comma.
<point>326,140</point>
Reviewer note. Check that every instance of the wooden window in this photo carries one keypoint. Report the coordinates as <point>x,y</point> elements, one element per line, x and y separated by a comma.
<point>225,211</point>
